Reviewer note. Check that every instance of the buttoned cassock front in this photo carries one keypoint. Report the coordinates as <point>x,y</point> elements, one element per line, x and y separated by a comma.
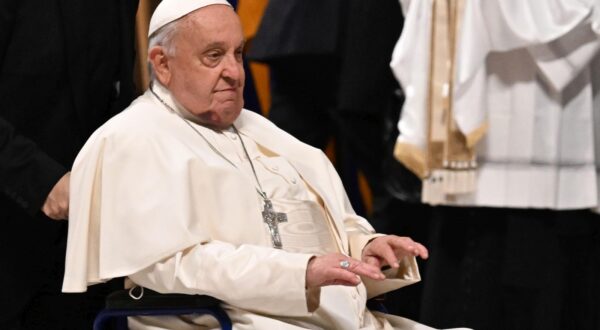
<point>148,193</point>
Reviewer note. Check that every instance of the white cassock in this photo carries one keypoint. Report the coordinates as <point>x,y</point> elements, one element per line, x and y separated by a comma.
<point>151,201</point>
<point>531,70</point>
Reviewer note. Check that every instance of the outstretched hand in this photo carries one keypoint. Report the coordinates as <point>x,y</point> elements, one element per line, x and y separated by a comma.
<point>388,250</point>
<point>56,206</point>
<point>327,270</point>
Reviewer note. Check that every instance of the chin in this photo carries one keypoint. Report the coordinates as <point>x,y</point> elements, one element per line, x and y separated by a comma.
<point>226,118</point>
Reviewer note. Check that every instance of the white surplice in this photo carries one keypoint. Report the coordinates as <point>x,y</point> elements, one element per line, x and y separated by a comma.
<point>150,200</point>
<point>530,70</point>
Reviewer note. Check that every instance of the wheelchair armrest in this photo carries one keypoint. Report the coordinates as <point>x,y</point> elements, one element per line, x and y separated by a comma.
<point>143,298</point>
<point>140,301</point>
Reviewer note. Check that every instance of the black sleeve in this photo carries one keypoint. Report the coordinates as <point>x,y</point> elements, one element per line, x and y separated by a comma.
<point>27,174</point>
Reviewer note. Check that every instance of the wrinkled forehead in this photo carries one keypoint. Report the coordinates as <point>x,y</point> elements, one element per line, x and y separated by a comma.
<point>172,10</point>
<point>211,25</point>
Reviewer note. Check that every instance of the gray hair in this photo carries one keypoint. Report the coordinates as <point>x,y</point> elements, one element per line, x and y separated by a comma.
<point>163,37</point>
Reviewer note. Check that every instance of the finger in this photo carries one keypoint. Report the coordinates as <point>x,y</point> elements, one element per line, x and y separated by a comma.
<point>405,246</point>
<point>342,277</point>
<point>340,282</point>
<point>63,215</point>
<point>372,261</point>
<point>56,214</point>
<point>50,212</point>
<point>405,243</point>
<point>365,269</point>
<point>387,253</point>
<point>423,252</point>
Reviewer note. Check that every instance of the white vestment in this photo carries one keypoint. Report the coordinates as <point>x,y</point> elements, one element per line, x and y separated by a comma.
<point>530,70</point>
<point>150,200</point>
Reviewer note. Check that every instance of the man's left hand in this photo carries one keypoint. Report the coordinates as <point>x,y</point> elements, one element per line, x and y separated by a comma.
<point>56,206</point>
<point>388,250</point>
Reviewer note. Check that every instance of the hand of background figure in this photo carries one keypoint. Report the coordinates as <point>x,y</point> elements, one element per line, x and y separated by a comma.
<point>388,250</point>
<point>56,205</point>
<point>326,270</point>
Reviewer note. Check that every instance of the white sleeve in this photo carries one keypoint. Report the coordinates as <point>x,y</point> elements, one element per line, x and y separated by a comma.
<point>510,24</point>
<point>250,277</point>
<point>562,60</point>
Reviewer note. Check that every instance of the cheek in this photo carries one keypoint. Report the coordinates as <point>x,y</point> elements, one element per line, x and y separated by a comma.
<point>197,81</point>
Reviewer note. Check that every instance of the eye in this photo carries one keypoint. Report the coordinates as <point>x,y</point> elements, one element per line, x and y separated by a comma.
<point>239,54</point>
<point>212,57</point>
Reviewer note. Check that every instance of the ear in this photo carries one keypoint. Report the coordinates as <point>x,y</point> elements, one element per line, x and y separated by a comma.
<point>160,63</point>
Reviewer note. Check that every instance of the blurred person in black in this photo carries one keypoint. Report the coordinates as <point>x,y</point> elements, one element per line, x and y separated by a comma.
<point>330,77</point>
<point>66,66</point>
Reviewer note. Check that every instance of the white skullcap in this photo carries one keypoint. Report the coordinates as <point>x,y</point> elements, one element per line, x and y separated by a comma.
<point>171,10</point>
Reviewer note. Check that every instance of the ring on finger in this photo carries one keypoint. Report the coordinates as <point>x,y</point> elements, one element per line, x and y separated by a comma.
<point>344,264</point>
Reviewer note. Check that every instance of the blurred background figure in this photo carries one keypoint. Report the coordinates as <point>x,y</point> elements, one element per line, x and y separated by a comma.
<point>331,86</point>
<point>331,79</point>
<point>66,66</point>
<point>501,123</point>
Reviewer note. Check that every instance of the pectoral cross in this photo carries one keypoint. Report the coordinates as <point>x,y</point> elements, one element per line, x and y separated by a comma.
<point>272,219</point>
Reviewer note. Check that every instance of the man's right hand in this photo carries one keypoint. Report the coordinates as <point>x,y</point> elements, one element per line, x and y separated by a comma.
<point>327,270</point>
<point>56,205</point>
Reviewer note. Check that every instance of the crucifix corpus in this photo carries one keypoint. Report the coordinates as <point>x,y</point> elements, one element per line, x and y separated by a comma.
<point>272,219</point>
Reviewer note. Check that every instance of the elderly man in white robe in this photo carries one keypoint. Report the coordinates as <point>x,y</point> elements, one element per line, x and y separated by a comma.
<point>186,192</point>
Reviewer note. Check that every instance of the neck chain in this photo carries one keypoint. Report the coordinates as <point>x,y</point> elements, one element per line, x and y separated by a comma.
<point>270,216</point>
<point>259,189</point>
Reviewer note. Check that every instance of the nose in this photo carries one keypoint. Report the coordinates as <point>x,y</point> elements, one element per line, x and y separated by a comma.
<point>233,68</point>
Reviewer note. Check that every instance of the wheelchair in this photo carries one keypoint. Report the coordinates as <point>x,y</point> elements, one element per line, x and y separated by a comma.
<point>139,301</point>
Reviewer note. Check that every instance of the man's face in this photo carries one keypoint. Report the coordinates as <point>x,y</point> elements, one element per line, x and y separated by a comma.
<point>206,69</point>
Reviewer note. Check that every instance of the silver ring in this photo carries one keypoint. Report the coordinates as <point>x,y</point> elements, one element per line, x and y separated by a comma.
<point>345,264</point>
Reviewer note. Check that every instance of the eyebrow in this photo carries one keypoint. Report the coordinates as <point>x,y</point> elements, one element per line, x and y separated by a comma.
<point>217,44</point>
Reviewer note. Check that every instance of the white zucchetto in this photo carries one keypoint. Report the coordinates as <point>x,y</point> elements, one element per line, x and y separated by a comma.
<point>171,10</point>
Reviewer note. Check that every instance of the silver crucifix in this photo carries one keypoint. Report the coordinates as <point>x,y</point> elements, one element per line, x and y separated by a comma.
<point>272,219</point>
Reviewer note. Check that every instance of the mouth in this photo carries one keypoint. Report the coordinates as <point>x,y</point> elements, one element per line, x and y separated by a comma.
<point>232,89</point>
